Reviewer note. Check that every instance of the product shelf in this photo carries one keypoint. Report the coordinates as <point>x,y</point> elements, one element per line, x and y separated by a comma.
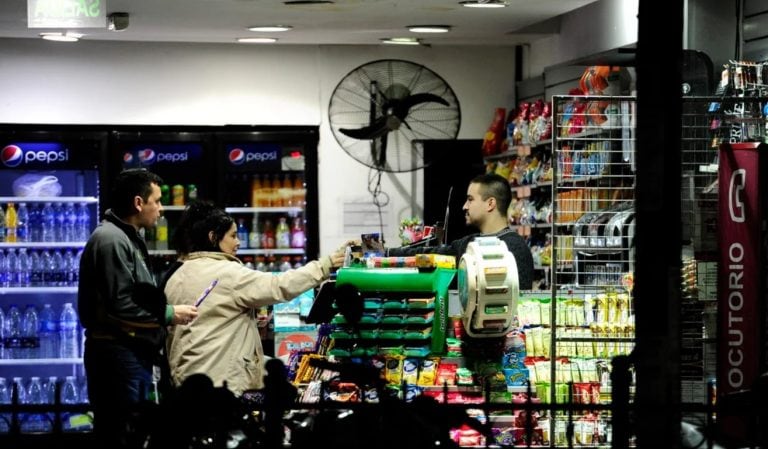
<point>44,362</point>
<point>36,290</point>
<point>266,210</point>
<point>49,199</point>
<point>42,244</point>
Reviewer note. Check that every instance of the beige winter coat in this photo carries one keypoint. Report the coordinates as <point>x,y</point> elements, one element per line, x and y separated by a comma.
<point>223,341</point>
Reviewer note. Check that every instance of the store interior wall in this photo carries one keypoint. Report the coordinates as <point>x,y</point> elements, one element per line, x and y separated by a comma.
<point>206,84</point>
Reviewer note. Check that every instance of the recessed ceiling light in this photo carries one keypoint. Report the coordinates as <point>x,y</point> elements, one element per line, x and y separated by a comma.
<point>484,4</point>
<point>428,28</point>
<point>61,37</point>
<point>271,28</point>
<point>256,40</point>
<point>306,2</point>
<point>401,41</point>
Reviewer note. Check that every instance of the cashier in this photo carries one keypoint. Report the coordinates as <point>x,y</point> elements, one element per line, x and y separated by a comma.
<point>488,198</point>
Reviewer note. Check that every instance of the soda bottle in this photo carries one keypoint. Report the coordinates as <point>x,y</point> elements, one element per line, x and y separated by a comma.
<point>283,234</point>
<point>2,224</point>
<point>254,238</point>
<point>285,265</point>
<point>268,235</point>
<point>256,191</point>
<point>260,265</point>
<point>277,200</point>
<point>22,223</point>
<point>165,194</point>
<point>161,233</point>
<point>177,195</point>
<point>286,191</point>
<point>242,233</point>
<point>298,192</point>
<point>191,193</point>
<point>10,223</point>
<point>298,236</point>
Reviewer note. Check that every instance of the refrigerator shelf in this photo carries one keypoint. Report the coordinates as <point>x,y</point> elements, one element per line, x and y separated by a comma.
<point>251,210</point>
<point>42,244</point>
<point>49,199</point>
<point>275,251</point>
<point>76,361</point>
<point>35,290</point>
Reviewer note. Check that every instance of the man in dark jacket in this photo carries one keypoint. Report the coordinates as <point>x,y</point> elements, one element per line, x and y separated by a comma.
<point>488,198</point>
<point>122,311</point>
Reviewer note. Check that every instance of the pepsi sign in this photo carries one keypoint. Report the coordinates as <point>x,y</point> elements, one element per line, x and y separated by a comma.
<point>18,154</point>
<point>253,154</point>
<point>171,154</point>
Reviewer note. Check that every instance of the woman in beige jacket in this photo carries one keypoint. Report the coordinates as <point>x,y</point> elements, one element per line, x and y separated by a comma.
<point>223,341</point>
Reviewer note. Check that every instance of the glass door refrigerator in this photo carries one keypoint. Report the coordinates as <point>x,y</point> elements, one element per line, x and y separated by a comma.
<point>182,158</point>
<point>269,184</point>
<point>50,185</point>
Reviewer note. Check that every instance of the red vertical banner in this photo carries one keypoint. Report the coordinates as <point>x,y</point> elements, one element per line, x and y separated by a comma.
<point>740,274</point>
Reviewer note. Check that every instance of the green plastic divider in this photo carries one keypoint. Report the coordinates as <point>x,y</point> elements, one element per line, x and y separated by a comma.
<point>408,281</point>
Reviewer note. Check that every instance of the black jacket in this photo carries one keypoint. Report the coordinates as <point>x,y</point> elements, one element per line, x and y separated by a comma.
<point>515,243</point>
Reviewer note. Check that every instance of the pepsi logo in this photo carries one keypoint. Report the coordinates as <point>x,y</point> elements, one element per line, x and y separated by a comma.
<point>147,156</point>
<point>12,156</point>
<point>128,158</point>
<point>236,156</point>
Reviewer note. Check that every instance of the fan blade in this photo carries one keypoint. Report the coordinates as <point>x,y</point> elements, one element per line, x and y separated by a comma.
<point>408,102</point>
<point>374,130</point>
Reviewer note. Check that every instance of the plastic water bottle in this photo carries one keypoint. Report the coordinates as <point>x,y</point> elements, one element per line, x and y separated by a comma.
<point>36,422</point>
<point>25,268</point>
<point>48,227</point>
<point>57,267</point>
<point>30,326</point>
<point>18,384</point>
<point>68,346</point>
<point>69,268</point>
<point>49,390</point>
<point>2,333</point>
<point>35,269</point>
<point>11,268</point>
<point>49,333</point>
<point>13,337</point>
<point>22,223</point>
<point>58,223</point>
<point>35,223</point>
<point>76,267</point>
<point>70,221</point>
<point>242,233</point>
<point>3,269</point>
<point>5,399</point>
<point>69,396</point>
<point>83,223</point>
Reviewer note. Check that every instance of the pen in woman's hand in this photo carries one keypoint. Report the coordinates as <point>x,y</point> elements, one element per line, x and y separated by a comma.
<point>206,292</point>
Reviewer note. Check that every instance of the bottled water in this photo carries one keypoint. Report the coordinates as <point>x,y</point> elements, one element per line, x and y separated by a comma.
<point>48,227</point>
<point>58,226</point>
<point>57,267</point>
<point>2,334</point>
<point>12,268</point>
<point>70,222</point>
<point>47,269</point>
<point>49,333</point>
<point>25,268</point>
<point>35,269</point>
<point>76,267</point>
<point>29,328</point>
<point>69,396</point>
<point>18,385</point>
<point>68,346</point>
<point>13,337</point>
<point>69,268</point>
<point>22,223</point>
<point>36,422</point>
<point>35,223</point>
<point>5,399</point>
<point>3,269</point>
<point>49,390</point>
<point>83,225</point>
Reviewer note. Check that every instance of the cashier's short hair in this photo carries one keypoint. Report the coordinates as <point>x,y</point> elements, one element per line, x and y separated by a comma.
<point>197,221</point>
<point>493,185</point>
<point>129,184</point>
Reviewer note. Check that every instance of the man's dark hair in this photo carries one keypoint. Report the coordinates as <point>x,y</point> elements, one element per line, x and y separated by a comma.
<point>129,184</point>
<point>493,185</point>
<point>197,221</point>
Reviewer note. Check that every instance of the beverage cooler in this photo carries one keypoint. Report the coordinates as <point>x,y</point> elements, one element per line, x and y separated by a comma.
<point>182,158</point>
<point>268,179</point>
<point>50,186</point>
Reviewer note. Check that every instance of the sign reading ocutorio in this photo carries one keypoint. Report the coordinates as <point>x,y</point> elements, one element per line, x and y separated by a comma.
<point>66,13</point>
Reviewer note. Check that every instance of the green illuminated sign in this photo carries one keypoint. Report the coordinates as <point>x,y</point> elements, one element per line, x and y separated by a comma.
<point>66,13</point>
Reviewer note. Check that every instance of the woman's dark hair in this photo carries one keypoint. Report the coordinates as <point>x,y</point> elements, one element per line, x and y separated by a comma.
<point>199,219</point>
